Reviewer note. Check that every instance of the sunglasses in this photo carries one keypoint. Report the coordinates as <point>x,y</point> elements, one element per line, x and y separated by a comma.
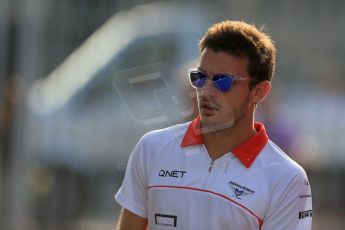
<point>222,82</point>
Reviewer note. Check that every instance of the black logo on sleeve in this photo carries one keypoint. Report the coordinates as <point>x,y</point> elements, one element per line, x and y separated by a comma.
<point>305,214</point>
<point>165,220</point>
<point>305,196</point>
<point>171,173</point>
<point>306,182</point>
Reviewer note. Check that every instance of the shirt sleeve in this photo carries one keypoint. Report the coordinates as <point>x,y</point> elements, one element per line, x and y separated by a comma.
<point>293,209</point>
<point>132,195</point>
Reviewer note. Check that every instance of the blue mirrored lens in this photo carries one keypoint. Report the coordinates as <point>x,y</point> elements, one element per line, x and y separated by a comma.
<point>223,82</point>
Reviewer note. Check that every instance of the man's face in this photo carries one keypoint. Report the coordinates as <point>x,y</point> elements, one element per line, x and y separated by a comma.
<point>221,110</point>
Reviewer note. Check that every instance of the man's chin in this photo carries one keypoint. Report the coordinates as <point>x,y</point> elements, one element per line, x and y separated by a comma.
<point>213,124</point>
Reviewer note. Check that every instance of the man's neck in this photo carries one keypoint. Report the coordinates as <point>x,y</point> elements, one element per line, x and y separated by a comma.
<point>223,141</point>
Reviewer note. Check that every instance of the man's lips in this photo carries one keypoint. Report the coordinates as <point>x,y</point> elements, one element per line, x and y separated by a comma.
<point>209,107</point>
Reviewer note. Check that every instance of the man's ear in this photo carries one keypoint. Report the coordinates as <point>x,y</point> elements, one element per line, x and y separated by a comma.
<point>260,91</point>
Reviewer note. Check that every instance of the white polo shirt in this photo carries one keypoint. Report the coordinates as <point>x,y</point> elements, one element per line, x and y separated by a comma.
<point>172,181</point>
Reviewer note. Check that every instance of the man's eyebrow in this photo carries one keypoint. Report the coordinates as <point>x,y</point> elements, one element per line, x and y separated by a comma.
<point>201,68</point>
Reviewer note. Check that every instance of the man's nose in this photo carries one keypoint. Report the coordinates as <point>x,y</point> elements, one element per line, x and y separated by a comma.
<point>209,89</point>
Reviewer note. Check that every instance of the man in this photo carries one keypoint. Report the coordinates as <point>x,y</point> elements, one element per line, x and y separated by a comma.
<point>219,171</point>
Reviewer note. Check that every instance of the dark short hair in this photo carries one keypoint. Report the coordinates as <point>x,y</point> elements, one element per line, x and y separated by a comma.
<point>245,40</point>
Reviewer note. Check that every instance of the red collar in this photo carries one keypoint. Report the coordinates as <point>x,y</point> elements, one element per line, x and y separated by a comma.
<point>246,152</point>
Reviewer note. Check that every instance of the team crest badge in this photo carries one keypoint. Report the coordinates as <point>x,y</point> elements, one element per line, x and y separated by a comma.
<point>240,190</point>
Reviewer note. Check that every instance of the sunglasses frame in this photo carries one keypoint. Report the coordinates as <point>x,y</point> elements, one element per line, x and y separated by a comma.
<point>211,77</point>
